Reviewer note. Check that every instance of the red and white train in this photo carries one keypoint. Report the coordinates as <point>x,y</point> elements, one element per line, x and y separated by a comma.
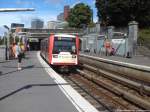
<point>61,50</point>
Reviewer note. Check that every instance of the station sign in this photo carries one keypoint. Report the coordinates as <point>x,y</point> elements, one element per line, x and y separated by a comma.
<point>100,37</point>
<point>119,35</point>
<point>118,41</point>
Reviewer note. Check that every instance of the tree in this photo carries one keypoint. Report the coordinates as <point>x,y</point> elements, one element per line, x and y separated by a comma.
<point>120,12</point>
<point>80,16</point>
<point>1,40</point>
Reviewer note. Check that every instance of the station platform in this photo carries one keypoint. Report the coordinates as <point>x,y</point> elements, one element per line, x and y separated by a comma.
<point>135,60</point>
<point>37,88</point>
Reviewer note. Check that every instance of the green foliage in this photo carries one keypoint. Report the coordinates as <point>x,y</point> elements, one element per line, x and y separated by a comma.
<point>80,16</point>
<point>144,37</point>
<point>16,39</point>
<point>92,25</point>
<point>120,12</point>
<point>11,39</point>
<point>1,40</point>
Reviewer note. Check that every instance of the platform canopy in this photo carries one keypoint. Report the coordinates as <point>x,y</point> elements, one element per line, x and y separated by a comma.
<point>44,33</point>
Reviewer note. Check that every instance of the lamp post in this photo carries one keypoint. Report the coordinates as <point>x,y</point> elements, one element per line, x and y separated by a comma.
<point>7,42</point>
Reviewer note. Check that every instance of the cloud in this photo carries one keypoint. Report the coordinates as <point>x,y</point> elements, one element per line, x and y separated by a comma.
<point>94,1</point>
<point>95,19</point>
<point>24,3</point>
<point>2,30</point>
<point>8,18</point>
<point>77,2</point>
<point>26,18</point>
<point>20,3</point>
<point>53,1</point>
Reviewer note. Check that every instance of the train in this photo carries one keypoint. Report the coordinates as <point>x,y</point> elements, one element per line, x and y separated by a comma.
<point>61,51</point>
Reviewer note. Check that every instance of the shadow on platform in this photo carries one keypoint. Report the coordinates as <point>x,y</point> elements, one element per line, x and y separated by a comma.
<point>28,87</point>
<point>16,70</point>
<point>26,67</point>
<point>5,61</point>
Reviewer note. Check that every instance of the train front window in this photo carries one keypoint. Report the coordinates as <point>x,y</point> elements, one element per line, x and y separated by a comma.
<point>64,44</point>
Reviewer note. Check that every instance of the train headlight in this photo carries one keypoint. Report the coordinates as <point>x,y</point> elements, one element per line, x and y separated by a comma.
<point>55,56</point>
<point>73,56</point>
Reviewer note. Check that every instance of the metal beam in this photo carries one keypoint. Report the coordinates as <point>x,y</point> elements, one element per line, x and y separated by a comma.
<point>16,9</point>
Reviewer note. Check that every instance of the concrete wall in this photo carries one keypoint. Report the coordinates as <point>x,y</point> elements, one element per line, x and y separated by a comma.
<point>123,69</point>
<point>93,41</point>
<point>124,45</point>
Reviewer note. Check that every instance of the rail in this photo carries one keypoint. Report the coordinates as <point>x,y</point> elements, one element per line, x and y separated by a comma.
<point>139,72</point>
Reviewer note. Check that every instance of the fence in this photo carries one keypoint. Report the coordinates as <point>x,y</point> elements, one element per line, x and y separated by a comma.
<point>124,45</point>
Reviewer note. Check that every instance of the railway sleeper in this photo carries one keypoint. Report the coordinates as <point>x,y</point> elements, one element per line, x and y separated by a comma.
<point>128,96</point>
<point>140,87</point>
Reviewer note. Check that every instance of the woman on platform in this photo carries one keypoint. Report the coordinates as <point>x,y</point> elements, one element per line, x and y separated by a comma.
<point>19,53</point>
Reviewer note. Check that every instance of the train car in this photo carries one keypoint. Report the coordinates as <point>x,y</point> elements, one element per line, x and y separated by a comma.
<point>61,50</point>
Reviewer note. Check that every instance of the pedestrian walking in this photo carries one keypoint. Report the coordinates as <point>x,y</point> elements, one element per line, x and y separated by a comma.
<point>22,49</point>
<point>19,53</point>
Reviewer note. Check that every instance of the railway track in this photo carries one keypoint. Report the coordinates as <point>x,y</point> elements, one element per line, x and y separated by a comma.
<point>83,87</point>
<point>106,93</point>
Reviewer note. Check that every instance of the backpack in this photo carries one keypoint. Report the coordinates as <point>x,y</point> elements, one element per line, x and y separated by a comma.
<point>22,48</point>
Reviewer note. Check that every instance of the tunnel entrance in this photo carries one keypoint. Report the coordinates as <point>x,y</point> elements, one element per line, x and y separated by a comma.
<point>34,44</point>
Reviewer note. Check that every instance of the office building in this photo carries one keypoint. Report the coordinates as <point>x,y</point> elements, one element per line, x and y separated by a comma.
<point>60,17</point>
<point>37,23</point>
<point>64,16</point>
<point>52,24</point>
<point>66,12</point>
<point>15,25</point>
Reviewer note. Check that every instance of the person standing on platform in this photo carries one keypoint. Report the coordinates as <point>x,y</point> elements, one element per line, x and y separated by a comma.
<point>107,46</point>
<point>22,49</point>
<point>19,53</point>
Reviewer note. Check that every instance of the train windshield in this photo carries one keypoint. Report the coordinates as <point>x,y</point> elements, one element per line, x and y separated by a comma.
<point>64,44</point>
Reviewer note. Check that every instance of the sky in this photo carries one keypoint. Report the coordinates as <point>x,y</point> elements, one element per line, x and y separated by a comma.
<point>45,10</point>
